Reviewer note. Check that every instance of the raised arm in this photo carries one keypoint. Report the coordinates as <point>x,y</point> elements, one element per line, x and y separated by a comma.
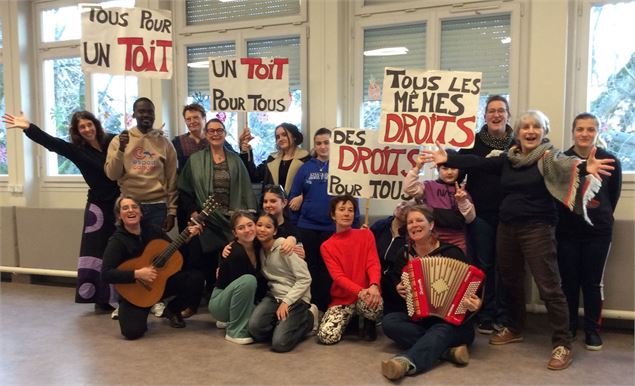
<point>38,135</point>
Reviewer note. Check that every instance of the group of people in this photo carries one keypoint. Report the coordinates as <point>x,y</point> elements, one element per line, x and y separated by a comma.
<point>294,261</point>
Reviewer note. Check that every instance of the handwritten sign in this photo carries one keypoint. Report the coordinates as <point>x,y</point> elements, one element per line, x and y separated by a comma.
<point>127,41</point>
<point>420,107</point>
<point>363,168</point>
<point>249,84</point>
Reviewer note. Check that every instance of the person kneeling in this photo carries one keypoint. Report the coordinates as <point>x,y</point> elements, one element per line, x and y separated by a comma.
<point>285,315</point>
<point>129,241</point>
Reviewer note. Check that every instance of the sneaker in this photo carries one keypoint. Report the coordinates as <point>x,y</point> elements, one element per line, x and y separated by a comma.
<point>592,341</point>
<point>459,355</point>
<point>158,309</point>
<point>115,314</point>
<point>221,325</point>
<point>561,358</point>
<point>505,336</point>
<point>486,327</point>
<point>247,340</point>
<point>316,318</point>
<point>395,368</point>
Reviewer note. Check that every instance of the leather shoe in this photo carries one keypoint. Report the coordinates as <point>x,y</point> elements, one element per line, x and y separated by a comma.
<point>561,358</point>
<point>175,319</point>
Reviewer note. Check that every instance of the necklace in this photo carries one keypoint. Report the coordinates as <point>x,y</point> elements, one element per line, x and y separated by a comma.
<point>323,165</point>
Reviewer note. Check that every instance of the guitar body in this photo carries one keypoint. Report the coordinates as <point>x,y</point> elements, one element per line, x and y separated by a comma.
<point>143,294</point>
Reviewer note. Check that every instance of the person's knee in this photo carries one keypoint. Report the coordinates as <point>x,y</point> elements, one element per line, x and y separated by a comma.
<point>248,282</point>
<point>328,336</point>
<point>281,345</point>
<point>133,333</point>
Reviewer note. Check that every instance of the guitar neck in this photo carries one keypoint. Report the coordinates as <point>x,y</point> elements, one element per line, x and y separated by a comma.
<point>169,251</point>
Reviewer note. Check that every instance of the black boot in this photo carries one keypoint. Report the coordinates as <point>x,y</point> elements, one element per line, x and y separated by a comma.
<point>370,330</point>
<point>175,318</point>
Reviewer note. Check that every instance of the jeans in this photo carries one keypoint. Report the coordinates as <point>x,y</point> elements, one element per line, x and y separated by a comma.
<point>153,214</point>
<point>582,263</point>
<point>284,334</point>
<point>481,237</point>
<point>425,341</point>
<point>234,305</point>
<point>321,279</point>
<point>536,245</point>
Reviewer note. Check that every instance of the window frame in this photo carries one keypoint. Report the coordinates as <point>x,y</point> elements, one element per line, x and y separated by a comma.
<point>433,18</point>
<point>240,37</point>
<point>180,15</point>
<point>578,83</point>
<point>4,178</point>
<point>50,51</point>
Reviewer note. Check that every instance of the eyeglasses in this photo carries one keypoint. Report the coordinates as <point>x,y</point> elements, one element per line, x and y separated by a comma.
<point>214,131</point>
<point>494,111</point>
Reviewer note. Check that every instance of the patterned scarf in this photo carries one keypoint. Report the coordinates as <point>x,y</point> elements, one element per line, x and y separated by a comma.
<point>496,142</point>
<point>561,176</point>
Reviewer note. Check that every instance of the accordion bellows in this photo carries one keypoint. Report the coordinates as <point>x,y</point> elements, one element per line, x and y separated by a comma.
<point>436,286</point>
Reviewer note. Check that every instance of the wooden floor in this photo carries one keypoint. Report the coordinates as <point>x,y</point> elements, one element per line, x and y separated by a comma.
<point>46,339</point>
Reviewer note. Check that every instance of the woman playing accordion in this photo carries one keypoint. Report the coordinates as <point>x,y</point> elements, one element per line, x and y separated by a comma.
<point>425,341</point>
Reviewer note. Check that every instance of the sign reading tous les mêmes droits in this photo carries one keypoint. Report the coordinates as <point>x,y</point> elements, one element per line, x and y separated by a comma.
<point>422,107</point>
<point>362,167</point>
<point>249,84</point>
<point>126,41</point>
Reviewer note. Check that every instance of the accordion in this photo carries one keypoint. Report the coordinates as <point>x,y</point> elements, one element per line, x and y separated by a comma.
<point>436,286</point>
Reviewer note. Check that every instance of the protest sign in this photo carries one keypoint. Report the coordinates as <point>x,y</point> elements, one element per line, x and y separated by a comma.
<point>421,107</point>
<point>361,167</point>
<point>126,41</point>
<point>249,84</point>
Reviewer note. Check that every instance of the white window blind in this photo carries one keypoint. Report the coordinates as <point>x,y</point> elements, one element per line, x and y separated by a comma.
<point>215,11</point>
<point>480,44</point>
<point>280,48</point>
<point>197,69</point>
<point>410,40</point>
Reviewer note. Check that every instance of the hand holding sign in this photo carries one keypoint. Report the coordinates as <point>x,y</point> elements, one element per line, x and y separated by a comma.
<point>244,139</point>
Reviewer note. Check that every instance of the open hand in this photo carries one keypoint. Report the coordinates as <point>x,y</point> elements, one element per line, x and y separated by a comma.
<point>596,166</point>
<point>16,121</point>
<point>439,156</point>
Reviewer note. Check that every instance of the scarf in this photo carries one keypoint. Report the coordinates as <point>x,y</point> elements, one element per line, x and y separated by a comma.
<point>561,175</point>
<point>496,142</point>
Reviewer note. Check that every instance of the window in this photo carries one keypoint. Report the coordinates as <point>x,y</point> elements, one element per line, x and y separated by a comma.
<point>198,83</point>
<point>491,37</point>
<point>202,12</point>
<point>400,46</point>
<point>610,81</point>
<point>263,124</point>
<point>434,38</point>
<point>65,87</point>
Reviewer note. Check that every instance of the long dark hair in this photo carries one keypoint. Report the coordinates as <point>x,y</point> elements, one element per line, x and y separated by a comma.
<point>76,138</point>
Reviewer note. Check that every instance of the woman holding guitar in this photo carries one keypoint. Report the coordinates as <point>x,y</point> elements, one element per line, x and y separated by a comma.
<point>128,242</point>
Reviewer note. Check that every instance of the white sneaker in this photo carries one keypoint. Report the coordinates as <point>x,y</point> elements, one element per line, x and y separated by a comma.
<point>316,318</point>
<point>157,309</point>
<point>247,340</point>
<point>115,314</point>
<point>221,325</point>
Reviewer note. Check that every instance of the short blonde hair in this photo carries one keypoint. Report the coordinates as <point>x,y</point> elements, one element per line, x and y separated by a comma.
<point>532,115</point>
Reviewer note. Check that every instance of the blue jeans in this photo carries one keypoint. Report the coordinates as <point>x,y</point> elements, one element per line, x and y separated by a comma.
<point>284,334</point>
<point>481,241</point>
<point>582,263</point>
<point>425,341</point>
<point>153,214</point>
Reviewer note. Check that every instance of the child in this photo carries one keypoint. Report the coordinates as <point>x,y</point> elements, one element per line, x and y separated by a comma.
<point>285,315</point>
<point>451,204</point>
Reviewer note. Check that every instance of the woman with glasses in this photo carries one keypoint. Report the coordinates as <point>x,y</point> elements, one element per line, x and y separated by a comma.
<point>218,172</point>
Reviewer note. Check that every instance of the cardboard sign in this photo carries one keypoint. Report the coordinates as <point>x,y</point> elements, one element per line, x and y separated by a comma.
<point>249,84</point>
<point>126,41</point>
<point>361,167</point>
<point>421,107</point>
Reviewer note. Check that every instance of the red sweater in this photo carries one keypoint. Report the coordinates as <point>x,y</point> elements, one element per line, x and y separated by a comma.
<point>351,258</point>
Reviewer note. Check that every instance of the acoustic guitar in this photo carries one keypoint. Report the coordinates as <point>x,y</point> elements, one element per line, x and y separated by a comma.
<point>165,257</point>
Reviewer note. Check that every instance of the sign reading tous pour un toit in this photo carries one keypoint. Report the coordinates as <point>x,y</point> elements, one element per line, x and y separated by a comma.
<point>421,107</point>
<point>249,84</point>
<point>126,41</point>
<point>363,168</point>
